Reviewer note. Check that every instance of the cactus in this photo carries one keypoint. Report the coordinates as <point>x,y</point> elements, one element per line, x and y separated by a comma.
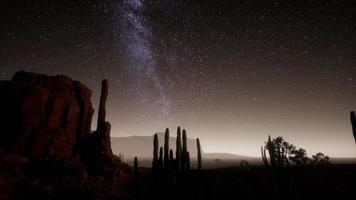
<point>160,160</point>
<point>184,151</point>
<point>171,159</point>
<point>171,156</point>
<point>178,149</point>
<point>102,109</point>
<point>155,151</point>
<point>187,160</point>
<point>279,154</point>
<point>353,123</point>
<point>199,154</point>
<point>264,158</point>
<point>137,178</point>
<point>166,149</point>
<point>136,166</point>
<point>271,151</point>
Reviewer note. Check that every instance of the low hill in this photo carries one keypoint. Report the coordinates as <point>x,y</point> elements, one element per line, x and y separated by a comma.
<point>142,147</point>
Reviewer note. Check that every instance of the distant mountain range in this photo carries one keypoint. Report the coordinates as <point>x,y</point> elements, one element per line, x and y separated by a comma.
<point>142,147</point>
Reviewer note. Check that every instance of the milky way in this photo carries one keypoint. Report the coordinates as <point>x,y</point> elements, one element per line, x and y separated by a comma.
<point>137,36</point>
<point>230,72</point>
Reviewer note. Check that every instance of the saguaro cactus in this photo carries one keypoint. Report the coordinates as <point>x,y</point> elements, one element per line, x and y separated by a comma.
<point>264,158</point>
<point>136,166</point>
<point>184,151</point>
<point>271,151</point>
<point>155,162</point>
<point>166,149</point>
<point>353,123</point>
<point>171,156</point>
<point>178,149</point>
<point>160,160</point>
<point>137,178</point>
<point>199,154</point>
<point>171,159</point>
<point>155,151</point>
<point>187,160</point>
<point>102,109</point>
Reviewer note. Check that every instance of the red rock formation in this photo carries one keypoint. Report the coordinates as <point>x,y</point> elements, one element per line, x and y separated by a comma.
<point>45,139</point>
<point>44,114</point>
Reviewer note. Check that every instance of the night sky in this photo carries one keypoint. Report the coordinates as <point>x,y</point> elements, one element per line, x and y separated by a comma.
<point>230,72</point>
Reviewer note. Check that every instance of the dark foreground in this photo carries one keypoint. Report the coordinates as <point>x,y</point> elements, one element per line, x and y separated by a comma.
<point>64,182</point>
<point>324,182</point>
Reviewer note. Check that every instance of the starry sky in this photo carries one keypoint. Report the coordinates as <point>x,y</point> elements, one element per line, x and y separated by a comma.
<point>230,72</point>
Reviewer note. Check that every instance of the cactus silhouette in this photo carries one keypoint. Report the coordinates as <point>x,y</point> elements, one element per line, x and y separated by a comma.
<point>199,154</point>
<point>184,151</point>
<point>187,160</point>
<point>160,160</point>
<point>171,159</point>
<point>155,164</point>
<point>137,179</point>
<point>166,149</point>
<point>264,158</point>
<point>178,149</point>
<point>136,166</point>
<point>353,123</point>
<point>171,156</point>
<point>155,151</point>
<point>271,151</point>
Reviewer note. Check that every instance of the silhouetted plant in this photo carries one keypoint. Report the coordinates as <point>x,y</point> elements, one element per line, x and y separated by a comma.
<point>199,154</point>
<point>184,151</point>
<point>320,159</point>
<point>165,168</point>
<point>171,158</point>
<point>155,162</point>
<point>172,167</point>
<point>155,151</point>
<point>178,149</point>
<point>160,160</point>
<point>353,123</point>
<point>166,149</point>
<point>283,149</point>
<point>187,160</point>
<point>271,150</point>
<point>136,166</point>
<point>299,157</point>
<point>264,158</point>
<point>244,164</point>
<point>137,178</point>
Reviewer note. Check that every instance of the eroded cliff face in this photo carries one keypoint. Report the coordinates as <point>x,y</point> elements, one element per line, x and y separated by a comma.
<point>46,146</point>
<point>49,117</point>
<point>44,114</point>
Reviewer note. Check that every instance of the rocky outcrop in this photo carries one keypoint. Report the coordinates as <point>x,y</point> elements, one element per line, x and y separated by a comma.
<point>104,127</point>
<point>46,145</point>
<point>44,114</point>
<point>51,115</point>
